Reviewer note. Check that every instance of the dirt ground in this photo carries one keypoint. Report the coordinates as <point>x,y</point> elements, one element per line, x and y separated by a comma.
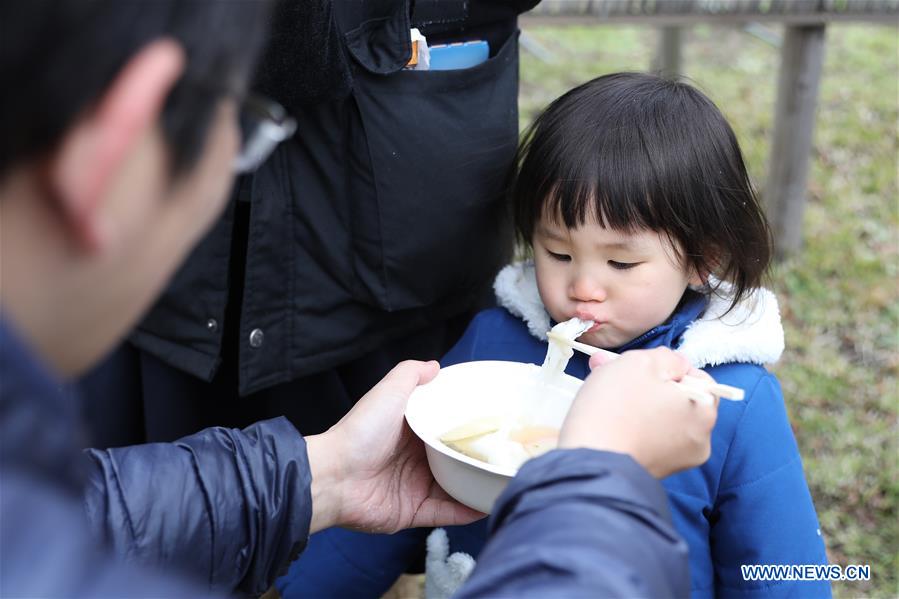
<point>408,586</point>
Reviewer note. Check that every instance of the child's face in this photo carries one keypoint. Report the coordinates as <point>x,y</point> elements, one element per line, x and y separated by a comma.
<point>626,282</point>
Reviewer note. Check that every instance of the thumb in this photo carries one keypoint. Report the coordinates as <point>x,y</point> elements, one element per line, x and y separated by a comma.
<point>407,375</point>
<point>674,365</point>
<point>600,358</point>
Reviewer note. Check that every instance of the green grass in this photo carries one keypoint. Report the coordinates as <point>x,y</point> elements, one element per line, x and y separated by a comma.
<point>839,295</point>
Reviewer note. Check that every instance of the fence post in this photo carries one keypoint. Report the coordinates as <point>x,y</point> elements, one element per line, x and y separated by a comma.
<point>668,54</point>
<point>802,57</point>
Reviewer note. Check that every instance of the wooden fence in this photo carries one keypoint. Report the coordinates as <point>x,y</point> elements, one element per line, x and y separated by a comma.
<point>801,60</point>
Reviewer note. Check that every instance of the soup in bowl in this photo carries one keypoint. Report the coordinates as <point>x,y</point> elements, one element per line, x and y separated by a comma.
<point>480,420</point>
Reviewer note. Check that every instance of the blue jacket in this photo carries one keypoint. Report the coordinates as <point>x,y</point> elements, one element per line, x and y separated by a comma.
<point>749,504</point>
<point>226,508</point>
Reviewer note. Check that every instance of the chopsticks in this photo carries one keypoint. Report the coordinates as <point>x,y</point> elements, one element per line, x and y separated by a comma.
<point>697,389</point>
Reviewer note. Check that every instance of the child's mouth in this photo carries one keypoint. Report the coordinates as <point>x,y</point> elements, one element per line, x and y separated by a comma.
<point>595,327</point>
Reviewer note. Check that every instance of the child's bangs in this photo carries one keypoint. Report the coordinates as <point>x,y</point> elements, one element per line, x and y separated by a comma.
<point>615,183</point>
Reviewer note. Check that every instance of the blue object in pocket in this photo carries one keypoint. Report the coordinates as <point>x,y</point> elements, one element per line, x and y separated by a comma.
<point>462,55</point>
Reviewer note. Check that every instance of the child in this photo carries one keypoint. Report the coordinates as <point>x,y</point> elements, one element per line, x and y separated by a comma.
<point>632,197</point>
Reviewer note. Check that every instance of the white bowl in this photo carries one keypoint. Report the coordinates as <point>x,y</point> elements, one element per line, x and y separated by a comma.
<point>464,392</point>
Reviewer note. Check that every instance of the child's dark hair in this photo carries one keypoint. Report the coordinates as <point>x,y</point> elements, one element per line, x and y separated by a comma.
<point>635,151</point>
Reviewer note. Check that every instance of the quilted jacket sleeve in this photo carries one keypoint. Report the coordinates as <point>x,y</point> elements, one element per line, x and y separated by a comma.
<point>224,506</point>
<point>581,523</point>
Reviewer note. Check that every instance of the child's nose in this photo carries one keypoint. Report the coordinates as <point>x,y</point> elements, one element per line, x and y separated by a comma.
<point>586,288</point>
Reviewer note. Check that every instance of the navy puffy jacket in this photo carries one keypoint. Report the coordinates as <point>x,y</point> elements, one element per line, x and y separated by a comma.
<point>225,507</point>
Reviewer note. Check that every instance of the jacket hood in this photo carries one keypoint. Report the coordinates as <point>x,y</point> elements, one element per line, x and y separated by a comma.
<point>750,333</point>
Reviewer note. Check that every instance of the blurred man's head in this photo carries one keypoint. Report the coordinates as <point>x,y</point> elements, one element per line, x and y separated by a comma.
<point>119,132</point>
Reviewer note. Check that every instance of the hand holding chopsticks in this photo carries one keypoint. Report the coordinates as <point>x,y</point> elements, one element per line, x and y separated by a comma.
<point>697,389</point>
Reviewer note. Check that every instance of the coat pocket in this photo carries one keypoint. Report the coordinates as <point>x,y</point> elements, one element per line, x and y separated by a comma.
<point>440,144</point>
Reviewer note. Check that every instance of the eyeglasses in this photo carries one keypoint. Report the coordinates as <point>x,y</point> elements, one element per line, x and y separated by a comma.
<point>263,125</point>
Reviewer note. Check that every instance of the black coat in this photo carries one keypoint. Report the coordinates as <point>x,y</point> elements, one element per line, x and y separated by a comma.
<point>381,217</point>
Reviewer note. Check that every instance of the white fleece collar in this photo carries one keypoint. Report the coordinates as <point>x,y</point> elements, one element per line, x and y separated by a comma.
<point>751,332</point>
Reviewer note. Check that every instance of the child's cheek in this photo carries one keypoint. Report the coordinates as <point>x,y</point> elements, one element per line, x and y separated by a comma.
<point>552,292</point>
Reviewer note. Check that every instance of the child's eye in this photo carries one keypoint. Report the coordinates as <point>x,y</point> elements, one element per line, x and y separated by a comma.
<point>622,265</point>
<point>559,257</point>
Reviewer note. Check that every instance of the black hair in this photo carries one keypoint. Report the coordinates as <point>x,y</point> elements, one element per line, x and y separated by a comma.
<point>634,151</point>
<point>57,58</point>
